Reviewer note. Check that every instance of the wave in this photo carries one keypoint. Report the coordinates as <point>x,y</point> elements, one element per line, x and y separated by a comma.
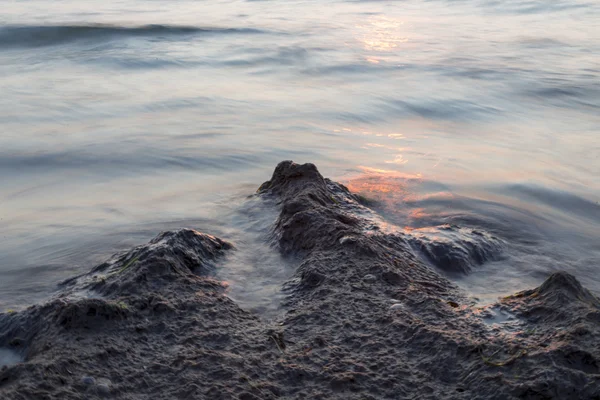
<point>19,36</point>
<point>559,200</point>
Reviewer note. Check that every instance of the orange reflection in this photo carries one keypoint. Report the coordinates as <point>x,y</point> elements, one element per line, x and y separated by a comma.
<point>418,213</point>
<point>393,193</point>
<point>428,196</point>
<point>389,173</point>
<point>387,187</point>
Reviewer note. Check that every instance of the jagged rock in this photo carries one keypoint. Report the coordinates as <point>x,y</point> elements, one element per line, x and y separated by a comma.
<point>560,289</point>
<point>364,317</point>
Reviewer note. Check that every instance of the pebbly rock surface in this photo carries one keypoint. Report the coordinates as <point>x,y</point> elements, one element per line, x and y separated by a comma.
<point>367,316</point>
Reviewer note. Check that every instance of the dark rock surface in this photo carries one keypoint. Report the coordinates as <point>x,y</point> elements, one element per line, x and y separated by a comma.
<point>364,318</point>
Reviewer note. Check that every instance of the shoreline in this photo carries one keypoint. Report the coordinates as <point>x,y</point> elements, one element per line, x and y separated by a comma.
<point>363,317</point>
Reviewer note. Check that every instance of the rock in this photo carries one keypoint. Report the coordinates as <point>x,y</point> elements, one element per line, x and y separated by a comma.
<point>562,287</point>
<point>88,380</point>
<point>369,278</point>
<point>454,249</point>
<point>103,389</point>
<point>159,320</point>
<point>172,255</point>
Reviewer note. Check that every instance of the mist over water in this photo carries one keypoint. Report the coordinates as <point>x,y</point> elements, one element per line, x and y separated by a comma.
<point>122,119</point>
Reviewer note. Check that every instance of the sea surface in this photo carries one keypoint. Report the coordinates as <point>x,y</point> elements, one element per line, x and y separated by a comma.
<point>119,119</point>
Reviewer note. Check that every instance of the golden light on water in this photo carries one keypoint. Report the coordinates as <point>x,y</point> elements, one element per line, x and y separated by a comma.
<point>381,34</point>
<point>442,195</point>
<point>396,136</point>
<point>399,159</point>
<point>394,193</point>
<point>388,173</point>
<point>373,186</point>
<point>385,186</point>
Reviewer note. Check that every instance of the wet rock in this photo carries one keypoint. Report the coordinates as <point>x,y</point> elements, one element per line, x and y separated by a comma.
<point>103,389</point>
<point>161,326</point>
<point>562,288</point>
<point>558,299</point>
<point>172,255</point>
<point>292,180</point>
<point>90,314</point>
<point>88,380</point>
<point>454,249</point>
<point>369,278</point>
<point>310,217</point>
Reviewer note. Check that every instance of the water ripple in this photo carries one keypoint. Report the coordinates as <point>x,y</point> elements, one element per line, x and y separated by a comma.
<point>19,36</point>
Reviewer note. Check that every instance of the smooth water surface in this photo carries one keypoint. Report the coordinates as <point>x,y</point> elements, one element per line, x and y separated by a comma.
<point>119,119</point>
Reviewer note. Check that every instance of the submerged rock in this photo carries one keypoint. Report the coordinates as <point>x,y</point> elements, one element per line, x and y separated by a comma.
<point>88,380</point>
<point>454,249</point>
<point>364,318</point>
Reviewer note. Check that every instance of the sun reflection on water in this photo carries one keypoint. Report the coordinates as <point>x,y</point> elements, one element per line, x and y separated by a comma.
<point>393,193</point>
<point>381,34</point>
<point>399,159</point>
<point>382,185</point>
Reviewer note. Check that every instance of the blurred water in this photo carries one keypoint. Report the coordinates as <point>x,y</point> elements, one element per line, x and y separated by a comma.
<point>9,357</point>
<point>119,119</point>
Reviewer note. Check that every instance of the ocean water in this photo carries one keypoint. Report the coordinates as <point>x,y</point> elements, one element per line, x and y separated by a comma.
<point>119,119</point>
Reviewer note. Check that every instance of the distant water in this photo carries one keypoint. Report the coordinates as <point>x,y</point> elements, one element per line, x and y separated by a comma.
<point>119,119</point>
